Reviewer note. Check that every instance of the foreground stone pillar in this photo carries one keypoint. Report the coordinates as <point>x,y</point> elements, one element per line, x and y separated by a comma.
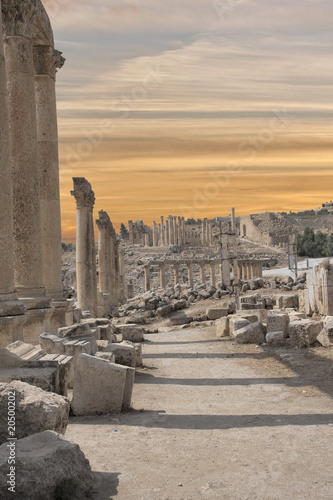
<point>86,276</point>
<point>27,248</point>
<point>11,309</point>
<point>147,278</point>
<point>190,274</point>
<point>104,262</point>
<point>162,276</point>
<point>46,61</point>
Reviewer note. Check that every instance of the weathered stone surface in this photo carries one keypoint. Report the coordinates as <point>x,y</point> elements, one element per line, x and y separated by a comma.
<point>326,335</point>
<point>125,354</point>
<point>48,466</point>
<point>216,313</point>
<point>250,334</point>
<point>36,410</point>
<point>236,323</point>
<point>287,301</point>
<point>165,310</point>
<point>180,318</point>
<point>98,386</point>
<point>128,390</point>
<point>132,333</point>
<point>275,339</point>
<point>222,327</point>
<point>75,330</point>
<point>304,333</point>
<point>106,355</point>
<point>278,323</point>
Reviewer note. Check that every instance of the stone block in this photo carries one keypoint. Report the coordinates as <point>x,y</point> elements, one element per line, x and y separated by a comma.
<point>236,323</point>
<point>180,318</point>
<point>165,310</point>
<point>128,390</point>
<point>278,323</point>
<point>275,339</point>
<point>132,333</point>
<point>111,358</point>
<point>125,354</point>
<point>288,301</point>
<point>250,334</point>
<point>326,335</point>
<point>75,330</point>
<point>36,410</point>
<point>48,466</point>
<point>216,313</point>
<point>222,327</point>
<point>304,333</point>
<point>98,386</point>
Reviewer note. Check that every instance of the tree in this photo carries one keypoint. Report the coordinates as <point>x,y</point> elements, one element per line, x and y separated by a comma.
<point>124,233</point>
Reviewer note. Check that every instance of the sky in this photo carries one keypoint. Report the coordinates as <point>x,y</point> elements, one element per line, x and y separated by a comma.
<point>192,107</point>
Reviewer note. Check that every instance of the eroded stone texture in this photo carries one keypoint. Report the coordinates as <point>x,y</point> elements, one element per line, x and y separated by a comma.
<point>35,410</point>
<point>50,466</point>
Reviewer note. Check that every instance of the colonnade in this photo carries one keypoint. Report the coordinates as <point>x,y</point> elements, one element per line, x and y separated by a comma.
<point>30,228</point>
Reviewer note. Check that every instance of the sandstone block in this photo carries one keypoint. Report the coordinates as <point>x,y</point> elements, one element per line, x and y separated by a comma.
<point>132,333</point>
<point>275,339</point>
<point>98,386</point>
<point>165,310</point>
<point>222,327</point>
<point>278,323</point>
<point>216,313</point>
<point>236,323</point>
<point>180,318</point>
<point>36,410</point>
<point>48,466</point>
<point>125,354</point>
<point>250,334</point>
<point>75,330</point>
<point>288,301</point>
<point>304,333</point>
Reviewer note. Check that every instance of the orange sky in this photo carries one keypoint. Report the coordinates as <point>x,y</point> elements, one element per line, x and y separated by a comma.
<point>190,110</point>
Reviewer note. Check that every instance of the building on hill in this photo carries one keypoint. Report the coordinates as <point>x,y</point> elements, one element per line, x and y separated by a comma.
<point>266,228</point>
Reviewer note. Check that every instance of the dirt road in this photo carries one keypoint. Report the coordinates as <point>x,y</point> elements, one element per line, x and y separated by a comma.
<point>218,421</point>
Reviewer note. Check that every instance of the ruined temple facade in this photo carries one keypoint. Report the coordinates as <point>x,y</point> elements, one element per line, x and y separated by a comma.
<point>31,295</point>
<point>265,228</point>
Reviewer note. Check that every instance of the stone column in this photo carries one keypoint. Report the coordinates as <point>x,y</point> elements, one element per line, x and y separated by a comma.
<point>162,242</point>
<point>240,270</point>
<point>147,278</point>
<point>104,261</point>
<point>180,232</point>
<point>46,61</point>
<point>27,248</point>
<point>204,232</point>
<point>113,266</point>
<point>202,272</point>
<point>131,234</point>
<point>117,270</point>
<point>212,274</point>
<point>190,274</point>
<point>176,273</point>
<point>11,309</point>
<point>175,230</point>
<point>130,289</point>
<point>233,220</point>
<point>155,235</point>
<point>167,233</point>
<point>162,276</point>
<point>171,233</point>
<point>86,276</point>
<point>225,260</point>
<point>146,236</point>
<point>122,274</point>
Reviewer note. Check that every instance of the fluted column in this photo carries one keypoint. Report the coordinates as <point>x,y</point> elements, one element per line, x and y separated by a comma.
<point>10,328</point>
<point>46,61</point>
<point>86,275</point>
<point>27,248</point>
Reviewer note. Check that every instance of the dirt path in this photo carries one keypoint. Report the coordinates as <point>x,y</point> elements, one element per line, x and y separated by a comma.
<point>218,421</point>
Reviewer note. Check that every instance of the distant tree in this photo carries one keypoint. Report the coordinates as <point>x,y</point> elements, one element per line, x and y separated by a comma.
<point>124,233</point>
<point>67,247</point>
<point>311,244</point>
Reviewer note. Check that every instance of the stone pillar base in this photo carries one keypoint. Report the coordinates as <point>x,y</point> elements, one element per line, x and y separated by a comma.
<point>11,328</point>
<point>61,314</point>
<point>38,322</point>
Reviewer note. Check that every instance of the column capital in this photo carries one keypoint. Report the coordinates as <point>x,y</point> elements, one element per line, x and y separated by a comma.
<point>47,60</point>
<point>104,221</point>
<point>27,18</point>
<point>83,193</point>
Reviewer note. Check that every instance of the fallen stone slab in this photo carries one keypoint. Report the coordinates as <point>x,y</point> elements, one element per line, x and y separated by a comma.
<point>236,323</point>
<point>275,339</point>
<point>75,330</point>
<point>99,386</point>
<point>125,354</point>
<point>48,466</point>
<point>106,355</point>
<point>35,410</point>
<point>250,334</point>
<point>304,333</point>
<point>222,327</point>
<point>325,337</point>
<point>132,332</point>
<point>216,313</point>
<point>180,318</point>
<point>278,323</point>
<point>165,310</point>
